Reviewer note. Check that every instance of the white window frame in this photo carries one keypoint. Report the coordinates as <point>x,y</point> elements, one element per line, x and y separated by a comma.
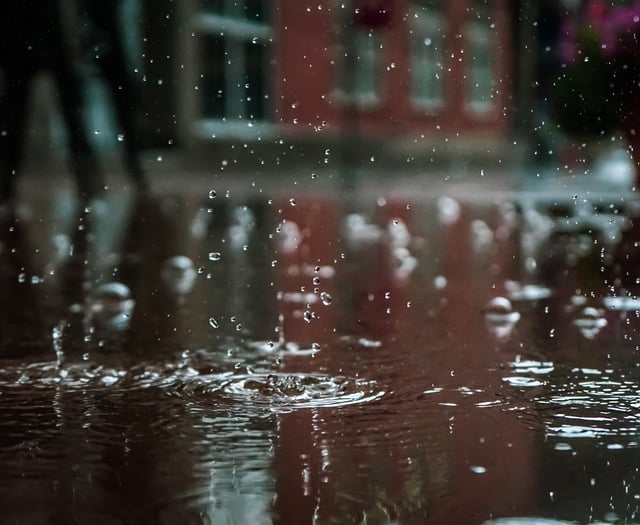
<point>236,32</point>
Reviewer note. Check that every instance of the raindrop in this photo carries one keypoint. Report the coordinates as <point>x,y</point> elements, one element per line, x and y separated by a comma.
<point>120,137</point>
<point>215,256</point>
<point>212,194</point>
<point>213,323</point>
<point>326,298</point>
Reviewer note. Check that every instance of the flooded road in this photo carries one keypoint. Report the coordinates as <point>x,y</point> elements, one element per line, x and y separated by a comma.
<point>208,359</point>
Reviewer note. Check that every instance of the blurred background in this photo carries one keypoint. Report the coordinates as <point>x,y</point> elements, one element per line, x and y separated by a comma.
<point>341,86</point>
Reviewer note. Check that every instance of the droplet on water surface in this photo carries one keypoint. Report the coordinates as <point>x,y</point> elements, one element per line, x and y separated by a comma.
<point>111,305</point>
<point>178,274</point>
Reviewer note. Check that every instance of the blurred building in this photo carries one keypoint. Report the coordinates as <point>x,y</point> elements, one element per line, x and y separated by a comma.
<point>328,82</point>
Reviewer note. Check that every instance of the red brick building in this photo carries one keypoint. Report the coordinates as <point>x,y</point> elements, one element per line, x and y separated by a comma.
<point>418,79</point>
<point>413,73</point>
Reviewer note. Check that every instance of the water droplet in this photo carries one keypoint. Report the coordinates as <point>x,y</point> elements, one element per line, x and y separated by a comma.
<point>215,256</point>
<point>326,298</point>
<point>178,274</point>
<point>292,202</point>
<point>213,323</point>
<point>120,137</point>
<point>212,194</point>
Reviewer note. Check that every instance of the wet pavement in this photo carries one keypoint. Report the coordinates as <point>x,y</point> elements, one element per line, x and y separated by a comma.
<point>445,350</point>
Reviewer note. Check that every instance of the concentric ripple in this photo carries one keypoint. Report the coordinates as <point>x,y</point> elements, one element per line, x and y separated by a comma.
<point>282,391</point>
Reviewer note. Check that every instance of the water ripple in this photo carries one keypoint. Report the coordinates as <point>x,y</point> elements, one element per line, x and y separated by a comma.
<point>284,392</point>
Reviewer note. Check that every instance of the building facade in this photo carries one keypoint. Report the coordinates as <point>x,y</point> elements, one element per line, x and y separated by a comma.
<point>422,77</point>
<point>407,72</point>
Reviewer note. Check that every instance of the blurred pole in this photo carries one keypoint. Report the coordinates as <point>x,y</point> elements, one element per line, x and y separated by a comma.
<point>349,125</point>
<point>525,16</point>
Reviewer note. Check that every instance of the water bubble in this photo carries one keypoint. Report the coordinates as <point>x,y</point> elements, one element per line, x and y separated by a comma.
<point>590,321</point>
<point>110,306</point>
<point>500,317</point>
<point>178,274</point>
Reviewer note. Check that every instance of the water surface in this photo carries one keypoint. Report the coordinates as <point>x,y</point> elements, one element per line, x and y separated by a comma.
<point>204,358</point>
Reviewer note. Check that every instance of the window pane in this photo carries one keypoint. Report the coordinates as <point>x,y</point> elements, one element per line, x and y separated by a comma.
<point>213,81</point>
<point>256,11</point>
<point>427,55</point>
<point>480,29</point>
<point>255,88</point>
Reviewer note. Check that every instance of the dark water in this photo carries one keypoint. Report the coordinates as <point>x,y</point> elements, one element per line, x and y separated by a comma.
<point>315,359</point>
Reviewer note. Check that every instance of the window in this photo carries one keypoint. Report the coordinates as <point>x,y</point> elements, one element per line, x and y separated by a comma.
<point>480,30</point>
<point>427,34</point>
<point>360,60</point>
<point>234,61</point>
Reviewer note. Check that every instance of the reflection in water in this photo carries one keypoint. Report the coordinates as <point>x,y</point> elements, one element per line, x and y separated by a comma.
<point>189,359</point>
